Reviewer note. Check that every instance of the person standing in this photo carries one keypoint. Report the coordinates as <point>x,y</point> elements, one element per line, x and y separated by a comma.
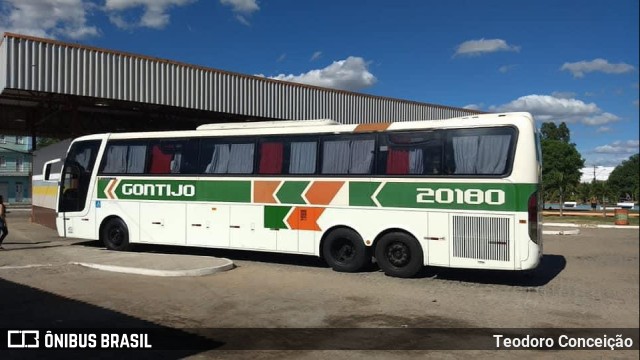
<point>4,230</point>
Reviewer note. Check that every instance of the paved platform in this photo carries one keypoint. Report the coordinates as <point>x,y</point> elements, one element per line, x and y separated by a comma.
<point>154,264</point>
<point>601,226</point>
<point>140,263</point>
<point>31,245</point>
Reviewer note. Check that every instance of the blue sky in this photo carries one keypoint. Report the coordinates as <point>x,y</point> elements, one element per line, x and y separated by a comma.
<point>562,60</point>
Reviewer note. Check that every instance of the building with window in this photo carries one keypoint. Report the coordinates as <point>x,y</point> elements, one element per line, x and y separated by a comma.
<point>15,169</point>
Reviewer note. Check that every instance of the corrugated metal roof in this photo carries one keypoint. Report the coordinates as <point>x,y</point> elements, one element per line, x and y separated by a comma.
<point>43,65</point>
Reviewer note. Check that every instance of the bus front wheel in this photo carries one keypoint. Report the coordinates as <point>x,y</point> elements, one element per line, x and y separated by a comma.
<point>399,254</point>
<point>344,250</point>
<point>115,235</point>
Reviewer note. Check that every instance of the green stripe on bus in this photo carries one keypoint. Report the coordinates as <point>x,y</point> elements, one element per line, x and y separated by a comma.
<point>291,192</point>
<point>425,195</point>
<point>274,216</point>
<point>225,191</point>
<point>178,190</point>
<point>453,196</point>
<point>360,193</point>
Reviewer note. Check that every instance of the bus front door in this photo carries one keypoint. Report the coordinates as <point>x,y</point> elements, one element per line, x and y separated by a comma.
<point>75,217</point>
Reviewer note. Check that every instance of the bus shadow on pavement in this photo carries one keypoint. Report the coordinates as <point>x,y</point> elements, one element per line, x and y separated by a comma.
<point>550,266</point>
<point>62,315</point>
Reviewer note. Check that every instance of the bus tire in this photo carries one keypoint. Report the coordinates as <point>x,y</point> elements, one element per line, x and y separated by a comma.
<point>344,250</point>
<point>399,255</point>
<point>115,235</point>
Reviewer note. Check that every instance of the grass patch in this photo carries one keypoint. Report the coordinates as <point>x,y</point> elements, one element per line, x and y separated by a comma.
<point>596,220</point>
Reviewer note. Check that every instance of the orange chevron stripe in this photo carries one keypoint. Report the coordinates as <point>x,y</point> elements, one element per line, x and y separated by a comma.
<point>110,190</point>
<point>322,192</point>
<point>305,218</point>
<point>372,127</point>
<point>263,191</point>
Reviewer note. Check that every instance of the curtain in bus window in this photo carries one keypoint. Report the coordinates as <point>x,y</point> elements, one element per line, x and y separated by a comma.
<point>136,159</point>
<point>175,163</point>
<point>303,158</point>
<point>416,161</point>
<point>160,162</point>
<point>116,162</point>
<point>361,156</point>
<point>397,162</point>
<point>492,154</point>
<point>465,151</point>
<point>270,158</point>
<point>335,157</point>
<point>83,158</point>
<point>219,160</point>
<point>241,159</point>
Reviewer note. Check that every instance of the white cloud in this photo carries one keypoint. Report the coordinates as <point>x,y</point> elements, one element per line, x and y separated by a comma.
<point>473,106</point>
<point>580,68</point>
<point>603,129</point>
<point>563,94</point>
<point>550,108</point>
<point>316,55</point>
<point>483,46</point>
<point>47,18</point>
<point>599,119</point>
<point>628,147</point>
<point>154,14</point>
<point>506,68</point>
<point>243,20</point>
<point>636,102</point>
<point>281,58</point>
<point>242,8</point>
<point>611,154</point>
<point>350,74</point>
<point>601,172</point>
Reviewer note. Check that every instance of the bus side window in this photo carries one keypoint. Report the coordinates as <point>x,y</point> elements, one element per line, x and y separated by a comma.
<point>186,162</point>
<point>480,151</point>
<point>348,154</point>
<point>414,153</point>
<point>288,156</point>
<point>221,157</point>
<point>303,157</point>
<point>160,162</point>
<point>271,158</point>
<point>124,158</point>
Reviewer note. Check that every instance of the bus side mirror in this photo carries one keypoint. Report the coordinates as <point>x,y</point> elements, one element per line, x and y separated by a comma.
<point>46,170</point>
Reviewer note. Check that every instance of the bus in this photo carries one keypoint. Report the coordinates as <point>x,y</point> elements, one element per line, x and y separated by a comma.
<point>461,193</point>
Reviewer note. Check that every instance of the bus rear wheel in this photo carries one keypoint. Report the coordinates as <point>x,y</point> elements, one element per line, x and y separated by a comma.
<point>344,250</point>
<point>115,235</point>
<point>399,255</point>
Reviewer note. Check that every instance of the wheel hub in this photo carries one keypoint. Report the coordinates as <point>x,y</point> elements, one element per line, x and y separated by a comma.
<point>398,254</point>
<point>344,251</point>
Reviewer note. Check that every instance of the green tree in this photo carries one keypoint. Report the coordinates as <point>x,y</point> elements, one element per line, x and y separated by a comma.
<point>561,161</point>
<point>584,192</point>
<point>45,141</point>
<point>625,178</point>
<point>550,131</point>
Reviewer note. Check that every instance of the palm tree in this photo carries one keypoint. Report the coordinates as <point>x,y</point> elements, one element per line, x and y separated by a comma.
<point>561,183</point>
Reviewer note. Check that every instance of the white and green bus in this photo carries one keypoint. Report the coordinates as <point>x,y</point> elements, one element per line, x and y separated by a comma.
<point>460,192</point>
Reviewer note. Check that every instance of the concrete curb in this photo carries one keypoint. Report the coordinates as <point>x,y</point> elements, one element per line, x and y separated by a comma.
<point>561,232</point>
<point>601,226</point>
<point>227,265</point>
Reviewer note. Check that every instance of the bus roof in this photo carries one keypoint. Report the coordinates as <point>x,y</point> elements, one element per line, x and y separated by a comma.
<point>291,127</point>
<point>267,124</point>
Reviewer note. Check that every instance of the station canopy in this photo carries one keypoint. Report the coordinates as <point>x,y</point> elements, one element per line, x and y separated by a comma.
<point>62,90</point>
